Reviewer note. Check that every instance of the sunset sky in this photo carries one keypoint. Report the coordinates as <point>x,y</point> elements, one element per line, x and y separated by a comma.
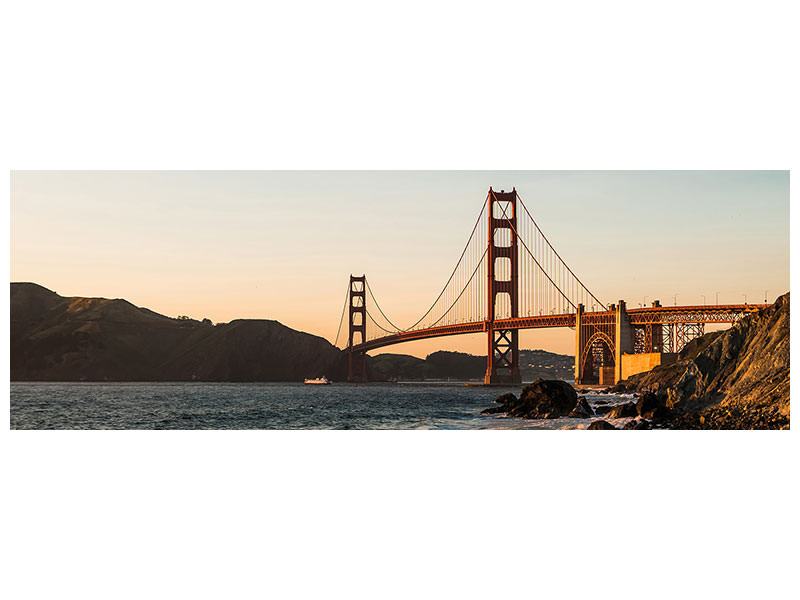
<point>281,245</point>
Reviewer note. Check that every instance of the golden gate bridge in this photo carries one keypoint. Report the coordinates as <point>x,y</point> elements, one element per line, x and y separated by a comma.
<point>510,277</point>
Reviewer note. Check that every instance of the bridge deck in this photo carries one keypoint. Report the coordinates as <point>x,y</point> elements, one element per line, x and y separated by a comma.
<point>722,313</point>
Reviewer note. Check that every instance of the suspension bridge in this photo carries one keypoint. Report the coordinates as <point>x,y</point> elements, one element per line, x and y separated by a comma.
<point>509,277</point>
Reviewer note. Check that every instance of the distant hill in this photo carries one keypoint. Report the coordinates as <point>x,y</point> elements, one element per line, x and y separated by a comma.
<point>458,365</point>
<point>547,365</point>
<point>439,365</point>
<point>54,338</point>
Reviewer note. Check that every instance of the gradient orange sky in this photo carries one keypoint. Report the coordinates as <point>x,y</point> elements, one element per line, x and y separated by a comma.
<point>281,245</point>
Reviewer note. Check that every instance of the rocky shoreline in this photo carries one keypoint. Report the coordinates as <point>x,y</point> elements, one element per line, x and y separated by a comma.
<point>732,379</point>
<point>550,399</point>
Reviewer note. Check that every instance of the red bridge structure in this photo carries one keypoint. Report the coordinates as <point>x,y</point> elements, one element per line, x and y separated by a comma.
<point>509,277</point>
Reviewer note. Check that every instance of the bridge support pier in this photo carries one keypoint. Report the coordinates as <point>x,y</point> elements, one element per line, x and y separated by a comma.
<point>356,367</point>
<point>503,357</point>
<point>623,339</point>
<point>578,345</point>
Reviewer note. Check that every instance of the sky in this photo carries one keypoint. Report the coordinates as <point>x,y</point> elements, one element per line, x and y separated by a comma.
<point>282,244</point>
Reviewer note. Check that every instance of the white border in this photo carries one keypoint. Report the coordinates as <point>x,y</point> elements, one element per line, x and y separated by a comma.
<point>398,514</point>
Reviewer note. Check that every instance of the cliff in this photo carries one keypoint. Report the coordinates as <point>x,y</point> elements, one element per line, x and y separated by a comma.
<point>54,338</point>
<point>737,378</point>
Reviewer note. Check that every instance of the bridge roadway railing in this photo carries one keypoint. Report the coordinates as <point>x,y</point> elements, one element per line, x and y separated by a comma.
<point>724,313</point>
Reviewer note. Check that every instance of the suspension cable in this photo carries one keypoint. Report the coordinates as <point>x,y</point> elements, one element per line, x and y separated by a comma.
<point>505,215</point>
<point>480,262</point>
<point>472,276</point>
<point>369,289</point>
<point>556,252</point>
<point>376,323</point>
<point>427,312</point>
<point>341,319</point>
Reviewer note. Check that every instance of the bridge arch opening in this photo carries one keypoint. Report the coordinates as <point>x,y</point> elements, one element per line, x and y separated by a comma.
<point>598,360</point>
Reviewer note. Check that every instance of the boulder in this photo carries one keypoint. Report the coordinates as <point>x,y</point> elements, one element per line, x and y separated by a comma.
<point>637,424</point>
<point>622,410</point>
<point>540,407</point>
<point>543,399</point>
<point>649,406</point>
<point>602,409</point>
<point>601,425</point>
<point>582,409</point>
<point>506,398</point>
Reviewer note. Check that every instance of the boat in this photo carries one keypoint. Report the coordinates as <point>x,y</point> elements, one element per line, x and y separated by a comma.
<point>319,381</point>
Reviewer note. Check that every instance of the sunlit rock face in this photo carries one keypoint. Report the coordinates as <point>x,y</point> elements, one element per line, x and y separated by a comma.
<point>733,379</point>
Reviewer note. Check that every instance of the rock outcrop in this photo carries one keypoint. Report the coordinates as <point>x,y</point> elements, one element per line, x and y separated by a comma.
<point>600,425</point>
<point>582,409</point>
<point>732,379</point>
<point>543,399</point>
<point>650,405</point>
<point>628,409</point>
<point>636,424</point>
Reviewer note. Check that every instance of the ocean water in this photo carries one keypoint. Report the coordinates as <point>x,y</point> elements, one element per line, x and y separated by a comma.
<point>270,406</point>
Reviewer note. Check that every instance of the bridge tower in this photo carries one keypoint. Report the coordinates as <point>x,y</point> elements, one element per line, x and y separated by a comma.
<point>357,320</point>
<point>503,271</point>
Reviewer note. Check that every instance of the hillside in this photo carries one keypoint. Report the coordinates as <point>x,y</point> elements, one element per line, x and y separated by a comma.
<point>54,338</point>
<point>439,365</point>
<point>461,366</point>
<point>737,378</point>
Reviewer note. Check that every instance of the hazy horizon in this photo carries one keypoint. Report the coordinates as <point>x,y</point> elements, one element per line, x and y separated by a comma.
<point>281,245</point>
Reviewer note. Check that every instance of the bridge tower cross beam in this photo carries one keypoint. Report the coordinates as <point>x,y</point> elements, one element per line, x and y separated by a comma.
<point>357,325</point>
<point>503,280</point>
